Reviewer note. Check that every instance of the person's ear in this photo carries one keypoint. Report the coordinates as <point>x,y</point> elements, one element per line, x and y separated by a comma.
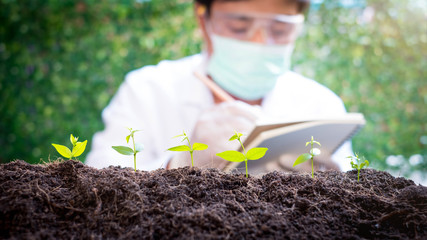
<point>201,14</point>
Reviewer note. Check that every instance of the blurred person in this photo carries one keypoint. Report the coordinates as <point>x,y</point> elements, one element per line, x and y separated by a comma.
<point>247,52</point>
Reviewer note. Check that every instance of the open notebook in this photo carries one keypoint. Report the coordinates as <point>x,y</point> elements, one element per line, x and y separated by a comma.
<point>289,137</point>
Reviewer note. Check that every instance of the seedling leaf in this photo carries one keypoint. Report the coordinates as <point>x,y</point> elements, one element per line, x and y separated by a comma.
<point>302,158</point>
<point>188,148</point>
<point>199,146</point>
<point>366,163</point>
<point>123,150</point>
<point>127,138</point>
<point>180,148</point>
<point>73,140</point>
<point>237,135</point>
<point>256,153</point>
<point>79,149</point>
<point>359,164</point>
<point>63,150</point>
<point>234,137</point>
<point>232,156</point>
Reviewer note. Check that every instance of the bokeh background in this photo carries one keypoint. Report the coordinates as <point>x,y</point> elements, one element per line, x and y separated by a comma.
<point>62,61</point>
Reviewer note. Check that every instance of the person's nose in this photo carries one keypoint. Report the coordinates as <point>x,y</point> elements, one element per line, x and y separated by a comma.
<point>259,36</point>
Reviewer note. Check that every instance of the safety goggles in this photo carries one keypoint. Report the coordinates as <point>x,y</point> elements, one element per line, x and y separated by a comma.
<point>276,28</point>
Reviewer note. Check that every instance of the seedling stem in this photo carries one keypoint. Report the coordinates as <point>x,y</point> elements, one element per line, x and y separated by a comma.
<point>188,148</point>
<point>359,163</point>
<point>127,150</point>
<point>306,156</point>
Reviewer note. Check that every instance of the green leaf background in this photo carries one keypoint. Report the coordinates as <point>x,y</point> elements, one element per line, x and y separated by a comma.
<point>62,61</point>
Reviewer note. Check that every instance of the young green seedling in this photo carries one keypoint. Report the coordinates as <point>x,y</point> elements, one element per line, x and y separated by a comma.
<point>127,150</point>
<point>236,156</point>
<point>359,163</point>
<point>188,148</point>
<point>306,156</point>
<point>78,148</point>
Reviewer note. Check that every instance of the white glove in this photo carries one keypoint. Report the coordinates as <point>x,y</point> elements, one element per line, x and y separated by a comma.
<point>214,127</point>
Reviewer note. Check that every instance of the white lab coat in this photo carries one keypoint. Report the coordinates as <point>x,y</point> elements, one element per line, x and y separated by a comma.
<point>165,99</point>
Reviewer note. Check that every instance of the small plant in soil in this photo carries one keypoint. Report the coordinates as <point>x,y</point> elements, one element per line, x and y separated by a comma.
<point>306,156</point>
<point>77,150</point>
<point>358,163</point>
<point>127,150</point>
<point>236,156</point>
<point>188,148</point>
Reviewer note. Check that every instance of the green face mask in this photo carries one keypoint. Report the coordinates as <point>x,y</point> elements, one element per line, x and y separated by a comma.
<point>247,70</point>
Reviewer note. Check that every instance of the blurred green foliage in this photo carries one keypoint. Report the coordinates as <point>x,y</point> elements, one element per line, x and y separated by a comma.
<point>62,61</point>
<point>375,60</point>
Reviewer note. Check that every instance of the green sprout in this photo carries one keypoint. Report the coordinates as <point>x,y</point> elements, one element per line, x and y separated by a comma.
<point>78,148</point>
<point>127,150</point>
<point>359,163</point>
<point>188,148</point>
<point>236,156</point>
<point>306,156</point>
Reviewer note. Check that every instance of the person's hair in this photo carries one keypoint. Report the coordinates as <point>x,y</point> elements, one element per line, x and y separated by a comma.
<point>303,5</point>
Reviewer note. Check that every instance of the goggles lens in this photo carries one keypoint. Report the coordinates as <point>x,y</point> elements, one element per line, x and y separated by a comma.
<point>276,28</point>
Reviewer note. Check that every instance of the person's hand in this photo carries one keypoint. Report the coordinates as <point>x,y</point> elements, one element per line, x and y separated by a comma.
<point>214,127</point>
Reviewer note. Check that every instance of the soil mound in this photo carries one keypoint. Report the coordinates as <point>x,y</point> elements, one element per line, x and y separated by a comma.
<point>70,200</point>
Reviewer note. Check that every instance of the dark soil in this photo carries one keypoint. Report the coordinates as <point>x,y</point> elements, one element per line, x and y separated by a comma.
<point>70,200</point>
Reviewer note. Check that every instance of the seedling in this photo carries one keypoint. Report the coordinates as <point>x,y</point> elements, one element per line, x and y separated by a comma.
<point>236,156</point>
<point>127,150</point>
<point>78,148</point>
<point>359,163</point>
<point>306,156</point>
<point>188,148</point>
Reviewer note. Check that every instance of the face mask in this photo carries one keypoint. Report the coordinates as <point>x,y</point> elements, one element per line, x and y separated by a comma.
<point>247,70</point>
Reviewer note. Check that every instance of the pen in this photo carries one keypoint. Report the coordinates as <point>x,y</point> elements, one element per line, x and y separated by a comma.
<point>222,95</point>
